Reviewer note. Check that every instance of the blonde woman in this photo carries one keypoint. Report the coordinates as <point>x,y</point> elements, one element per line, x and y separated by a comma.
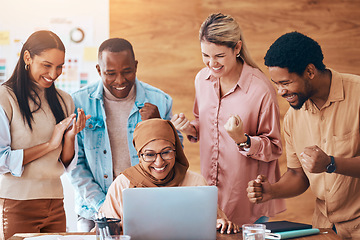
<point>236,121</point>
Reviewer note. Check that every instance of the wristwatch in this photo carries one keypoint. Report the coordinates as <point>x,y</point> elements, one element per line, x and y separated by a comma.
<point>331,167</point>
<point>245,144</point>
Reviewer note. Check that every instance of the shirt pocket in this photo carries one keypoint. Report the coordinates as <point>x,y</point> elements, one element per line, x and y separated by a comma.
<point>94,132</point>
<point>346,145</point>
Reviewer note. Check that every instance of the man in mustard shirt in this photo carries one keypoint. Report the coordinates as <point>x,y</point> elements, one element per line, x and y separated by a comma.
<point>322,135</point>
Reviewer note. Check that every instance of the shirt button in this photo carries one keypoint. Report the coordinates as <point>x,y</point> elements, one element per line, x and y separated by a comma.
<point>322,118</point>
<point>106,176</point>
<point>90,126</point>
<point>324,140</point>
<point>105,151</point>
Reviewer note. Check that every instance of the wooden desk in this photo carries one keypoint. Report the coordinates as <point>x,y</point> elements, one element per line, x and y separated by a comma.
<point>325,234</point>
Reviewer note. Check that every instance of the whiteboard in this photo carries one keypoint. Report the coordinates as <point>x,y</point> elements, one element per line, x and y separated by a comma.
<point>81,25</point>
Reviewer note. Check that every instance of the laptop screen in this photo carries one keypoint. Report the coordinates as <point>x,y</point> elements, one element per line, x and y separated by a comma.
<point>170,213</point>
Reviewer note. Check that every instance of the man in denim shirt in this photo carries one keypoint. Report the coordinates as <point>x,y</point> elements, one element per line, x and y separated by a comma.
<point>116,104</point>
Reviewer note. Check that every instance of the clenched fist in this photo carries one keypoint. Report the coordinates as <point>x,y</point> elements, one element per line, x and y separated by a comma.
<point>149,111</point>
<point>234,127</point>
<point>182,124</point>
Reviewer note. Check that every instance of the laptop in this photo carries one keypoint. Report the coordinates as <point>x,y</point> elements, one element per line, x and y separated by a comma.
<point>170,213</point>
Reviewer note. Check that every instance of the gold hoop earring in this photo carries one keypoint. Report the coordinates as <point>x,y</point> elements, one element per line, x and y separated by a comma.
<point>27,67</point>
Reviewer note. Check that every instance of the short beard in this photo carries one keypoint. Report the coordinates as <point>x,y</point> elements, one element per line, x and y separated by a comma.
<point>301,100</point>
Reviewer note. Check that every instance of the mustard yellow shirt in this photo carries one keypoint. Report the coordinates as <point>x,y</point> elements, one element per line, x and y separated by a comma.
<point>335,128</point>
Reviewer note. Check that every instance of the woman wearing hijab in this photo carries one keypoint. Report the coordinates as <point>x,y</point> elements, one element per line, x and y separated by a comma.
<point>162,163</point>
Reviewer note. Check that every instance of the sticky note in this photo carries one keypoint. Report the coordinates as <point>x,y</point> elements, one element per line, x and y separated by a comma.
<point>4,38</point>
<point>90,54</point>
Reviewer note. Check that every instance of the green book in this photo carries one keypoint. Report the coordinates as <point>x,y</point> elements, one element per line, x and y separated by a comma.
<point>292,233</point>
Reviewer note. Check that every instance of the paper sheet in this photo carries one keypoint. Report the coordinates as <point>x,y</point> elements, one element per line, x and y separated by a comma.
<point>59,237</point>
<point>4,38</point>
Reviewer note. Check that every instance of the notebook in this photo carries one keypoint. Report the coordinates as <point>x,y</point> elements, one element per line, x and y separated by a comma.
<point>281,226</point>
<point>170,213</point>
<point>287,229</point>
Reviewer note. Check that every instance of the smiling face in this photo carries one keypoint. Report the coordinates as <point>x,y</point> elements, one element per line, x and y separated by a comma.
<point>294,88</point>
<point>221,60</point>
<point>160,168</point>
<point>117,71</point>
<point>46,67</point>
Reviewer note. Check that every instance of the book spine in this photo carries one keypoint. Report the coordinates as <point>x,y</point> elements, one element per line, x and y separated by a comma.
<point>298,233</point>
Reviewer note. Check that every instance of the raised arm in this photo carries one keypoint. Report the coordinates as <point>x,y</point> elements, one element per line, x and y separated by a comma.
<point>182,124</point>
<point>315,160</point>
<point>293,183</point>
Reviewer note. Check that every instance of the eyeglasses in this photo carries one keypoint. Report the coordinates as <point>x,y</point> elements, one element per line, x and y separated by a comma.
<point>150,156</point>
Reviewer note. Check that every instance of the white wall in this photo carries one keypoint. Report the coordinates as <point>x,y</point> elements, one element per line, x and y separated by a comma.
<point>19,18</point>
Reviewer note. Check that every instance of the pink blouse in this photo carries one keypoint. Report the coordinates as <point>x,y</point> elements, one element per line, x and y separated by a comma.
<point>253,98</point>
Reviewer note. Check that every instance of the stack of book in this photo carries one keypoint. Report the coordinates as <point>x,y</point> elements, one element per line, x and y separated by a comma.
<point>286,229</point>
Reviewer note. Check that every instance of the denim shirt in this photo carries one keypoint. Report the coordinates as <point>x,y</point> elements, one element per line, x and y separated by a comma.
<point>94,171</point>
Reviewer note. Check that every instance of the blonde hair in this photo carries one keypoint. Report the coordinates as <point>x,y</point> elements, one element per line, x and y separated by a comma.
<point>223,30</point>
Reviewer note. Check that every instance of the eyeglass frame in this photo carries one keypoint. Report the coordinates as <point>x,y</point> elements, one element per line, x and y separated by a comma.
<point>159,153</point>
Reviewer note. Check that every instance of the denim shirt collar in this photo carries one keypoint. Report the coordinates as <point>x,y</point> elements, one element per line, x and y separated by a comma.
<point>140,98</point>
<point>99,92</point>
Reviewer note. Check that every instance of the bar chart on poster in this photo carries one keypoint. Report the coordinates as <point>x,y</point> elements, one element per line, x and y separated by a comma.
<point>82,29</point>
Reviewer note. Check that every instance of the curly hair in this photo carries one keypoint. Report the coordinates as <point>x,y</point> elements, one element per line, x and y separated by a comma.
<point>295,51</point>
